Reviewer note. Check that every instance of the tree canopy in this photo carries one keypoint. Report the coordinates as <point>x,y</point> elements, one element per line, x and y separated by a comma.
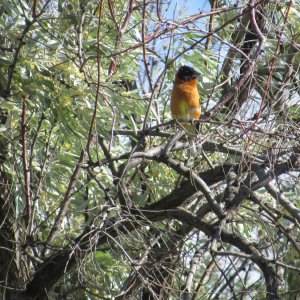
<point>94,204</point>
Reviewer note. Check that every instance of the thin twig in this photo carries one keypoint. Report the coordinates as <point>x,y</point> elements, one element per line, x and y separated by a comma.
<point>26,167</point>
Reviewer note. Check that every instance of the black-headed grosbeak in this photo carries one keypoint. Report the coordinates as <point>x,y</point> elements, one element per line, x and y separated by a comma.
<point>185,102</point>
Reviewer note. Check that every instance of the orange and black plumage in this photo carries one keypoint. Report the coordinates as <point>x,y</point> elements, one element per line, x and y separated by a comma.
<point>185,101</point>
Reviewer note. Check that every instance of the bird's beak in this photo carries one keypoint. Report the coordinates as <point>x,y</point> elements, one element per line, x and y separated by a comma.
<point>197,74</point>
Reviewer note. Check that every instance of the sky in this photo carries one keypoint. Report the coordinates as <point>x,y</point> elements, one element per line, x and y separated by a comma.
<point>191,6</point>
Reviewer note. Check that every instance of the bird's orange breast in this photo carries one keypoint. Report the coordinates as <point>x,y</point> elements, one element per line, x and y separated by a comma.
<point>185,102</point>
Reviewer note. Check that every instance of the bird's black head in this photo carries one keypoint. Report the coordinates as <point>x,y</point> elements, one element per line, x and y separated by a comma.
<point>187,73</point>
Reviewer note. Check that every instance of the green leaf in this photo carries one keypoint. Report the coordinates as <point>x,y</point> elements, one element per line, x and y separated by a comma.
<point>8,105</point>
<point>4,61</point>
<point>3,128</point>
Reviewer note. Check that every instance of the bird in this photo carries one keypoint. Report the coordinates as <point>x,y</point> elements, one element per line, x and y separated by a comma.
<point>185,102</point>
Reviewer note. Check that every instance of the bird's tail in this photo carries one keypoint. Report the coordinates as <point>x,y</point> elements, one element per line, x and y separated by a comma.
<point>193,131</point>
<point>192,146</point>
